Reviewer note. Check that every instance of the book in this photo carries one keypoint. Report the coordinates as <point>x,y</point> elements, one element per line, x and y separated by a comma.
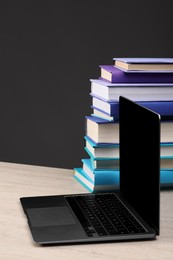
<point>109,164</point>
<point>166,181</point>
<point>104,131</point>
<point>110,108</point>
<point>115,75</point>
<point>166,131</point>
<point>101,130</point>
<point>87,183</point>
<point>137,92</point>
<point>99,177</point>
<point>166,150</point>
<point>100,151</point>
<point>144,64</point>
<point>166,178</point>
<point>164,108</point>
<point>166,163</point>
<point>101,114</point>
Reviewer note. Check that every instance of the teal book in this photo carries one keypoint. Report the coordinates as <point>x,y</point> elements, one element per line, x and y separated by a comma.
<point>166,178</point>
<point>101,151</point>
<point>105,164</point>
<point>104,153</point>
<point>166,181</point>
<point>90,185</point>
<point>166,150</point>
<point>100,177</point>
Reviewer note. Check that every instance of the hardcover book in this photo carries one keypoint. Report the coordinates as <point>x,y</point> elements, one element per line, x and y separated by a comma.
<point>166,150</point>
<point>99,150</point>
<point>166,163</point>
<point>166,180</point>
<point>111,108</point>
<point>115,75</point>
<point>105,164</point>
<point>104,131</point>
<point>164,108</point>
<point>107,177</point>
<point>135,91</point>
<point>101,130</point>
<point>166,131</point>
<point>101,114</point>
<point>87,183</point>
<point>145,64</point>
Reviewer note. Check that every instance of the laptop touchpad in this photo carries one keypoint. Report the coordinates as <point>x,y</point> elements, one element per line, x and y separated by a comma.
<point>51,216</point>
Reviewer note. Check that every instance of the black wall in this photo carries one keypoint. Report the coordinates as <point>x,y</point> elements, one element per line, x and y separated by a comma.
<point>48,52</point>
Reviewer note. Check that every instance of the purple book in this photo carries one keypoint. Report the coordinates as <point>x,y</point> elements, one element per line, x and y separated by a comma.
<point>115,75</point>
<point>164,65</point>
<point>146,60</point>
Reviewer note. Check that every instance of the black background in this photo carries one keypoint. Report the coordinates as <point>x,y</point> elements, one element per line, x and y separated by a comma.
<point>49,50</point>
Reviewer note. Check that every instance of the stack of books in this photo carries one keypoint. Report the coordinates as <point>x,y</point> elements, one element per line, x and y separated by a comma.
<point>146,81</point>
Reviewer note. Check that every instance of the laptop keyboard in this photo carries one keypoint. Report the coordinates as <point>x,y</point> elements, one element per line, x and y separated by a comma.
<point>104,215</point>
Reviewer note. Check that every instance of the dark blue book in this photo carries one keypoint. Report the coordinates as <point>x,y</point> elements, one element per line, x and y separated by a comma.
<point>134,91</point>
<point>164,108</point>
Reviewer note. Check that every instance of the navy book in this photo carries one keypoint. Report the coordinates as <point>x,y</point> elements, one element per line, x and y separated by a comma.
<point>164,108</point>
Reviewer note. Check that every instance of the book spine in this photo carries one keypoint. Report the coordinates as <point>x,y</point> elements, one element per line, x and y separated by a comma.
<point>124,77</point>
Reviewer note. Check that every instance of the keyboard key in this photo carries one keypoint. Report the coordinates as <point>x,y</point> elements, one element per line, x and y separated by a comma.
<point>104,214</point>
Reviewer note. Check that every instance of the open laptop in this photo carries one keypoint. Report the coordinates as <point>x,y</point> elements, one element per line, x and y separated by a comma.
<point>132,213</point>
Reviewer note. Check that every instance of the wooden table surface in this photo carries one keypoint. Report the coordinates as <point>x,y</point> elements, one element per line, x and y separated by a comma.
<point>16,243</point>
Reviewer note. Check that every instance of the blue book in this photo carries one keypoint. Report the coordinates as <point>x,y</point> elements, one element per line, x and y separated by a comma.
<point>144,64</point>
<point>110,108</point>
<point>166,181</point>
<point>101,145</point>
<point>87,183</point>
<point>103,151</point>
<point>104,131</point>
<point>134,91</point>
<point>100,177</point>
<point>164,108</point>
<point>166,178</point>
<point>103,115</point>
<point>99,150</point>
<point>116,75</point>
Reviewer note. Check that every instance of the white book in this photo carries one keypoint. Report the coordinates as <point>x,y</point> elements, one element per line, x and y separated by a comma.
<point>134,91</point>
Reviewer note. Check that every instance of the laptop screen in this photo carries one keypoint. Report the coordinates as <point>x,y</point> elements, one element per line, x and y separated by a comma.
<point>140,160</point>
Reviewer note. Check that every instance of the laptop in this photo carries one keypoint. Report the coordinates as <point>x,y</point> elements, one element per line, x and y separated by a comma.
<point>128,214</point>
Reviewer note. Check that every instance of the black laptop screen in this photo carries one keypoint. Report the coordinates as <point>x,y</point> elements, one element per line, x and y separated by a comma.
<point>140,160</point>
